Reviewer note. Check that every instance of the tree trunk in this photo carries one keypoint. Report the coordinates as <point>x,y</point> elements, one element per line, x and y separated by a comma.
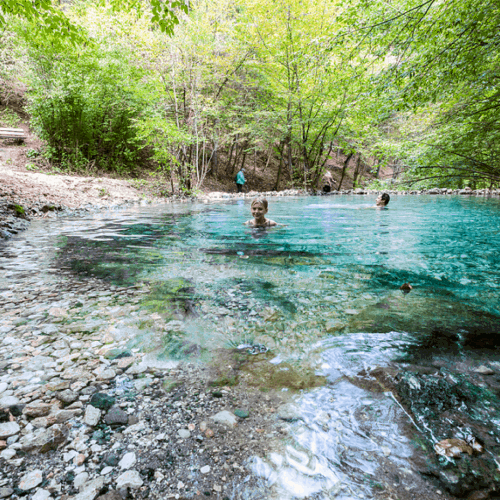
<point>356,172</point>
<point>344,168</point>
<point>229,156</point>
<point>215,160</point>
<point>276,186</point>
<point>243,161</point>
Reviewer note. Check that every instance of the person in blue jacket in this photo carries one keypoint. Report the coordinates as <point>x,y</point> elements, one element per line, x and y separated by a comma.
<point>240,180</point>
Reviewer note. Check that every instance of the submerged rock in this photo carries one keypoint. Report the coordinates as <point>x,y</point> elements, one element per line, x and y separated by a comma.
<point>452,407</point>
<point>225,418</point>
<point>102,401</point>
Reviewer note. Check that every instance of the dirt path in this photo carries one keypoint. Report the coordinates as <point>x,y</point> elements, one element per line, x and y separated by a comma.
<point>30,188</point>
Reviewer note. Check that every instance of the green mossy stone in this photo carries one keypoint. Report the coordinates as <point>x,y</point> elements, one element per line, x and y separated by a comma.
<point>102,401</point>
<point>241,413</point>
<point>98,435</point>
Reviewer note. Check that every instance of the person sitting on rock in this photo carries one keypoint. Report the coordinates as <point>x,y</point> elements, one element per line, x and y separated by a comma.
<point>382,200</point>
<point>259,211</point>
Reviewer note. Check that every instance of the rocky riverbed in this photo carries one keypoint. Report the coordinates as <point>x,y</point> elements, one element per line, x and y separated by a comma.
<point>82,416</point>
<point>85,414</point>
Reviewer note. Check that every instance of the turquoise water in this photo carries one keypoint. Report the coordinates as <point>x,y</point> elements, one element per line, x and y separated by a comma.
<point>321,293</point>
<point>335,267</point>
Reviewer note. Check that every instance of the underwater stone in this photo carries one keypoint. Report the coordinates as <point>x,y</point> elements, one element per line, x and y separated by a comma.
<point>241,413</point>
<point>116,416</point>
<point>288,413</point>
<point>225,417</point>
<point>102,401</point>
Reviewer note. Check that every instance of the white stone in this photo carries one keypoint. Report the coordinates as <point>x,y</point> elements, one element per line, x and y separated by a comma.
<point>41,495</point>
<point>141,383</point>
<point>106,470</point>
<point>8,454</point>
<point>484,370</point>
<point>184,433</point>
<point>92,415</point>
<point>136,369</point>
<point>127,461</point>
<point>90,489</point>
<point>8,429</point>
<point>81,479</point>
<point>8,401</point>
<point>226,418</point>
<point>70,455</point>
<point>129,479</point>
<point>3,387</point>
<point>105,374</point>
<point>31,480</point>
<point>205,469</point>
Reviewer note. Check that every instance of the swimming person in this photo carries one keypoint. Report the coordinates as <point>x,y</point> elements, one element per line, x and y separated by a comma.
<point>382,200</point>
<point>259,211</point>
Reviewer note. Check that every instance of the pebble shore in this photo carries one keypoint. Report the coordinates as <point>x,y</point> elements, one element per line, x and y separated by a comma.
<point>83,417</point>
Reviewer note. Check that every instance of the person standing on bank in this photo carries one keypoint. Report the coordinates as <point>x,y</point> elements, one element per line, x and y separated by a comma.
<point>240,180</point>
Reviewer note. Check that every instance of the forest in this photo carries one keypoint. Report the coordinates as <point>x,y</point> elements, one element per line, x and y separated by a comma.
<point>198,89</point>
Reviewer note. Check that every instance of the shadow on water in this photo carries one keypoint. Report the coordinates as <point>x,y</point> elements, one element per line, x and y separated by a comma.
<point>109,260</point>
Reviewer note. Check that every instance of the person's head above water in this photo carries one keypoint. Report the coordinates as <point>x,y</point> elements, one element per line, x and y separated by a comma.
<point>259,201</point>
<point>382,200</point>
<point>259,211</point>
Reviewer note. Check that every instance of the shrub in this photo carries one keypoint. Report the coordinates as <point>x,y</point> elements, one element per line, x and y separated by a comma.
<point>84,106</point>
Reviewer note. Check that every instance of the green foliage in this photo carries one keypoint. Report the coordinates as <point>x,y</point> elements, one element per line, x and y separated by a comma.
<point>84,105</point>
<point>406,83</point>
<point>19,209</point>
<point>8,118</point>
<point>44,17</point>
<point>440,83</point>
<point>48,19</point>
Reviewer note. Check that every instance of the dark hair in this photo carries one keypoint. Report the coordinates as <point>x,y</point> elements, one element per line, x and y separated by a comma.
<point>262,201</point>
<point>385,198</point>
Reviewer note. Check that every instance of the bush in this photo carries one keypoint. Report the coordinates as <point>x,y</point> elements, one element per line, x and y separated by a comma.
<point>84,106</point>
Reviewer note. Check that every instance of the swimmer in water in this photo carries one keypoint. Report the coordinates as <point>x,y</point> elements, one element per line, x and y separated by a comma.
<point>259,211</point>
<point>382,200</point>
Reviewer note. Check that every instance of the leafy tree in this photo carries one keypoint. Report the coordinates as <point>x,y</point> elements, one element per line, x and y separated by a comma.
<point>49,16</point>
<point>441,79</point>
<point>84,100</point>
<point>311,79</point>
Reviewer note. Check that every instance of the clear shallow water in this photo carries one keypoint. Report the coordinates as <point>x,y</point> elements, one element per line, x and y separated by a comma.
<point>321,292</point>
